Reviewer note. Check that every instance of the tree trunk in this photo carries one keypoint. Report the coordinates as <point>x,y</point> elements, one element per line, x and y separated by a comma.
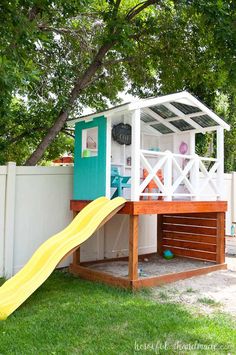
<point>47,140</point>
<point>80,84</point>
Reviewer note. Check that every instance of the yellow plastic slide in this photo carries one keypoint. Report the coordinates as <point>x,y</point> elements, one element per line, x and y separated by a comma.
<point>17,289</point>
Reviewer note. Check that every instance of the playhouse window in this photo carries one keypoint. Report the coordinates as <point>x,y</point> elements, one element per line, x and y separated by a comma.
<point>89,142</point>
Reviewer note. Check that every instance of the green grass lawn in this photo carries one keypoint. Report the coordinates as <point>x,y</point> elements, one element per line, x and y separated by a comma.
<point>71,316</point>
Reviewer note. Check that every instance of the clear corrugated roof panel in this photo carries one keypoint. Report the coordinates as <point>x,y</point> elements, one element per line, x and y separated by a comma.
<point>205,121</point>
<point>182,125</point>
<point>186,109</point>
<point>162,128</point>
<point>163,111</point>
<point>146,118</point>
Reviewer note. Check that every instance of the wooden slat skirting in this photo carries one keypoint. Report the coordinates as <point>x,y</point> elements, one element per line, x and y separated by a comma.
<point>189,229</point>
<point>190,245</point>
<point>190,237</point>
<point>194,237</point>
<point>191,253</point>
<point>185,220</point>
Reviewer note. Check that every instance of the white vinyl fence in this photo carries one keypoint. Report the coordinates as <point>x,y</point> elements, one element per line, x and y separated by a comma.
<point>35,204</point>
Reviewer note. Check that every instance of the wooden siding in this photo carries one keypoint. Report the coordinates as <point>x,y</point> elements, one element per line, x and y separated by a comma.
<point>199,237</point>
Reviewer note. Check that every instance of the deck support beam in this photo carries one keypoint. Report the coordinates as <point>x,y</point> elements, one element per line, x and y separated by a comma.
<point>159,234</point>
<point>133,248</point>
<point>220,238</point>
<point>76,257</point>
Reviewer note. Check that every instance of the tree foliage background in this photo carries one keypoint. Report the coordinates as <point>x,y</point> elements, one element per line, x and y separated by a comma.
<point>57,57</point>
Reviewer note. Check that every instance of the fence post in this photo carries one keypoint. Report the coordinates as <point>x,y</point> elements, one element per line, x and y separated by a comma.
<point>9,220</point>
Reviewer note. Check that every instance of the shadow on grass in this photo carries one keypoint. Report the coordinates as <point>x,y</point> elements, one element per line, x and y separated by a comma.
<point>70,316</point>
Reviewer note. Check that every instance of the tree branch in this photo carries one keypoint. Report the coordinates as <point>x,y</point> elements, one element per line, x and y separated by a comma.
<point>68,133</point>
<point>60,30</point>
<point>139,7</point>
<point>135,7</point>
<point>63,31</point>
<point>115,61</point>
<point>82,82</point>
<point>116,7</point>
<point>33,12</point>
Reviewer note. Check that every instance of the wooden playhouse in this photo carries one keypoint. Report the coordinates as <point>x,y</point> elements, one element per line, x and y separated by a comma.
<point>145,151</point>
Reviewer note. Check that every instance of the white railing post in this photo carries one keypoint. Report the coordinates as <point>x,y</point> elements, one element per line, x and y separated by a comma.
<point>9,220</point>
<point>108,158</point>
<point>168,176</point>
<point>135,154</point>
<point>192,143</point>
<point>220,158</point>
<point>195,177</point>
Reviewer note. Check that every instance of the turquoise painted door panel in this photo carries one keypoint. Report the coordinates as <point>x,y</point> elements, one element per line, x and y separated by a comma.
<point>90,172</point>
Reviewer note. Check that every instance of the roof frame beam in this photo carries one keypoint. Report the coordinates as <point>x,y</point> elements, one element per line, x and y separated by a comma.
<point>190,115</point>
<point>208,112</point>
<point>160,119</point>
<point>151,129</point>
<point>157,100</point>
<point>183,116</point>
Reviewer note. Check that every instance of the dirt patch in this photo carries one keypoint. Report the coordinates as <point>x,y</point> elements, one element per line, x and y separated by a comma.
<point>207,293</point>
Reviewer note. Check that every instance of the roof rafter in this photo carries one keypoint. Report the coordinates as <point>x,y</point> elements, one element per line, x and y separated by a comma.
<point>181,115</point>
<point>208,112</point>
<point>196,114</point>
<point>151,129</point>
<point>161,119</point>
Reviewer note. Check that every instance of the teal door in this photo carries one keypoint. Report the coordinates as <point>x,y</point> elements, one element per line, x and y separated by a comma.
<point>90,159</point>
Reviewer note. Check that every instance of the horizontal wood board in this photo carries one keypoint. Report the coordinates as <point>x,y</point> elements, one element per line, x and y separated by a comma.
<point>190,236</point>
<point>162,207</point>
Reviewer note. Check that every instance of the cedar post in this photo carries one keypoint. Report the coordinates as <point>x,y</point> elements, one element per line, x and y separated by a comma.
<point>220,238</point>
<point>133,247</point>
<point>159,234</point>
<point>76,254</point>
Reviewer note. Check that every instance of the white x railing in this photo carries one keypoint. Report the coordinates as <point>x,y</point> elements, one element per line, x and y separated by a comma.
<point>186,176</point>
